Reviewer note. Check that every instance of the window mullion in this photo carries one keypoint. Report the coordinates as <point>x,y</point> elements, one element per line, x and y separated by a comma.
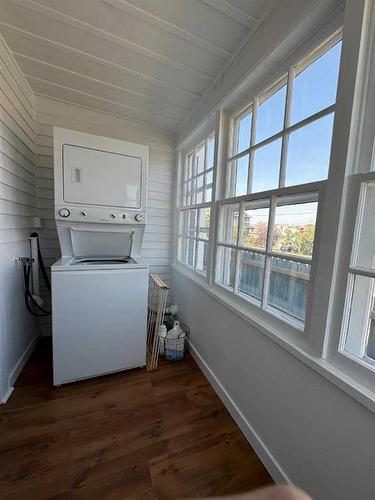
<point>254,122</point>
<point>285,140</point>
<point>218,175</point>
<point>238,242</point>
<point>196,239</point>
<point>204,170</point>
<point>267,266</point>
<point>252,142</point>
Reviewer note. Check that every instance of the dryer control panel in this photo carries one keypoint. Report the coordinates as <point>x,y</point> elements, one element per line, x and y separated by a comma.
<point>91,214</point>
<point>100,215</point>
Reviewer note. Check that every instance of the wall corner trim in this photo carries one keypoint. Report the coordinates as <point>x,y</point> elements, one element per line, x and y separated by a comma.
<point>7,395</point>
<point>19,366</point>
<point>264,454</point>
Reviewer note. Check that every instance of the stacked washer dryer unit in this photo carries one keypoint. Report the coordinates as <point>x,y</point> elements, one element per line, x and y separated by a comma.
<point>99,286</point>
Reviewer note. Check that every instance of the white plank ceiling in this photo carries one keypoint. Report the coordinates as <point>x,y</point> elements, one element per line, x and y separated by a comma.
<point>147,60</point>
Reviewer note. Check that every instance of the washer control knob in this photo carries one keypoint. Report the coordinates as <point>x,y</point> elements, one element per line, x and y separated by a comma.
<point>139,217</point>
<point>113,216</point>
<point>84,213</point>
<point>64,212</point>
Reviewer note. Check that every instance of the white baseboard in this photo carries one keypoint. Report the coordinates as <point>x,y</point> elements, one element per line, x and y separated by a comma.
<point>7,395</point>
<point>268,460</point>
<point>18,368</point>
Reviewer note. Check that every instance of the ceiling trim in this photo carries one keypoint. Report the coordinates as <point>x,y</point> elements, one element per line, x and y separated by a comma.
<point>232,12</point>
<point>117,40</point>
<point>66,48</point>
<point>103,99</point>
<point>169,27</point>
<point>19,55</point>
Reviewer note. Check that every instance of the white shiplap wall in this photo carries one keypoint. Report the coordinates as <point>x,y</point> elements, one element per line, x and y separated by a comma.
<point>18,330</point>
<point>157,248</point>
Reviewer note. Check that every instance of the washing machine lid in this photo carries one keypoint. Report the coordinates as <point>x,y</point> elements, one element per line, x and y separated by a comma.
<point>95,242</point>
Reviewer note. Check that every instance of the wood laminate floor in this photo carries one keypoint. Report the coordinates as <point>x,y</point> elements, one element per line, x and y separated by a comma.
<point>134,435</point>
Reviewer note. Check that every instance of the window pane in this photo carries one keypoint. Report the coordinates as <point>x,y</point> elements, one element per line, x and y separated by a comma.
<point>255,225</point>
<point>360,329</point>
<point>266,167</point>
<point>202,247</point>
<point>366,244</point>
<point>225,266</point>
<point>182,225</point>
<point>208,187</point>
<point>294,228</point>
<point>237,178</point>
<point>188,193</point>
<point>182,249</point>
<point>204,223</point>
<point>209,177</point>
<point>270,115</point>
<point>229,223</point>
<point>309,151</point>
<point>191,228</point>
<point>210,152</point>
<point>242,131</point>
<point>370,348</point>
<point>190,252</point>
<point>199,189</point>
<point>208,194</point>
<point>288,287</point>
<point>183,193</point>
<point>251,274</point>
<point>200,159</point>
<point>315,87</point>
<point>189,169</point>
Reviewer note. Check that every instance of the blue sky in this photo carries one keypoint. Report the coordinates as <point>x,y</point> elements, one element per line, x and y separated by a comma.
<point>309,147</point>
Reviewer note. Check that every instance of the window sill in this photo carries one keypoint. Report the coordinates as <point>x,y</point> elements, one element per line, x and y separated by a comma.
<point>326,369</point>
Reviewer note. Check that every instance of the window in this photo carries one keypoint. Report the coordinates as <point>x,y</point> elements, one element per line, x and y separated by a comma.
<point>279,154</point>
<point>284,137</point>
<point>264,252</point>
<point>197,175</point>
<point>358,329</point>
<point>195,206</point>
<point>269,188</point>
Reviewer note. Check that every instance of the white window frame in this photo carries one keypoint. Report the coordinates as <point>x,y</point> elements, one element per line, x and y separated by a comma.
<point>193,178</point>
<point>288,328</point>
<point>357,154</point>
<point>286,79</point>
<point>359,366</point>
<point>182,206</point>
<point>300,194</point>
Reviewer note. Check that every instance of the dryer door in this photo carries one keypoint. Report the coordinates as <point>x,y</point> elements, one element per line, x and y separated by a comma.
<point>93,177</point>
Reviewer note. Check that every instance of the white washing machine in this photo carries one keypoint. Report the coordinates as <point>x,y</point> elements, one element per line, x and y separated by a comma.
<point>99,286</point>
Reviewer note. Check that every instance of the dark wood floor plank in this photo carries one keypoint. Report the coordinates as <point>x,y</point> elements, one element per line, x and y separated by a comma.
<point>131,435</point>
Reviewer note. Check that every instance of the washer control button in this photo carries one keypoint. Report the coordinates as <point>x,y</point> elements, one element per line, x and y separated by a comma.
<point>84,213</point>
<point>139,217</point>
<point>64,212</point>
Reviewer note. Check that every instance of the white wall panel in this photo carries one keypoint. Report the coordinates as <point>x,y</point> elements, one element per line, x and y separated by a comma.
<point>18,329</point>
<point>299,423</point>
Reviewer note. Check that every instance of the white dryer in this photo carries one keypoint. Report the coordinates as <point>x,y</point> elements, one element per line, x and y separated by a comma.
<point>99,286</point>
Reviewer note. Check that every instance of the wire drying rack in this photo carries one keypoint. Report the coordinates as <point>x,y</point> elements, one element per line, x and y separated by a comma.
<point>157,302</point>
